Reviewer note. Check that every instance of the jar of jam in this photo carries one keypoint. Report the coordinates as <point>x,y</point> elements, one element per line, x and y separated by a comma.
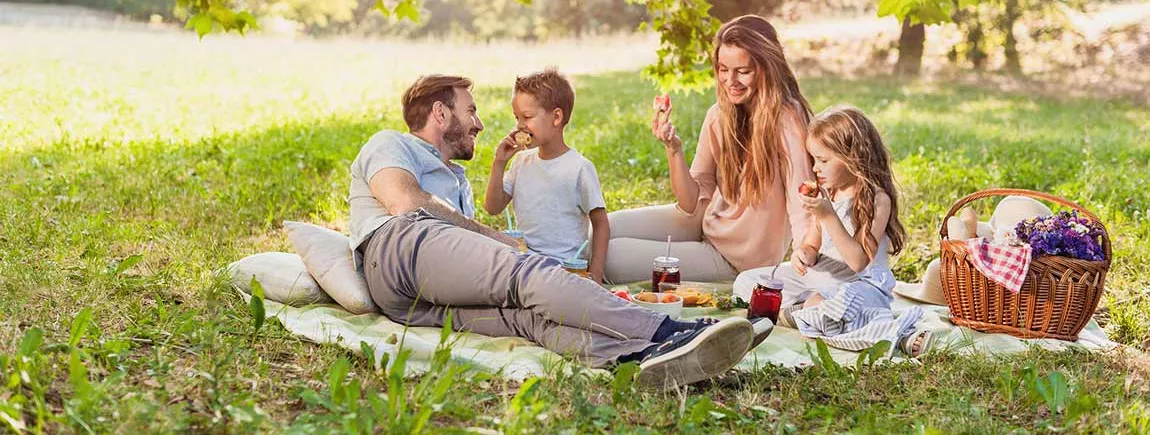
<point>666,270</point>
<point>577,266</point>
<point>519,237</point>
<point>766,299</point>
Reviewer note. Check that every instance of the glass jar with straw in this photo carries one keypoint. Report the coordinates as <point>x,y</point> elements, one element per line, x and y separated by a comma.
<point>665,274</point>
<point>514,233</point>
<point>577,265</point>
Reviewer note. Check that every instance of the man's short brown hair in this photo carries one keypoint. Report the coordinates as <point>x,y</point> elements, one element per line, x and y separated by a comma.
<point>422,95</point>
<point>550,89</point>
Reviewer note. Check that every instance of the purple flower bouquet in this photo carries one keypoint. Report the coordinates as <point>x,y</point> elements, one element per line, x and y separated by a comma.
<point>1065,234</point>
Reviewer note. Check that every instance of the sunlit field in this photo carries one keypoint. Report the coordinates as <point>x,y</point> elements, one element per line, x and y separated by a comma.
<point>189,154</point>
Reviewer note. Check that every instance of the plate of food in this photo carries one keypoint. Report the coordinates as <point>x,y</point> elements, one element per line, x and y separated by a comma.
<point>669,303</point>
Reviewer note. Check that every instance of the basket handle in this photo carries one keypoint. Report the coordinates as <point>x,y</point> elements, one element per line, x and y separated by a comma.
<point>1029,193</point>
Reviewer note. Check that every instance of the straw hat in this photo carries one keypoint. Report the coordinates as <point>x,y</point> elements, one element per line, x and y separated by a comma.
<point>1014,209</point>
<point>930,291</point>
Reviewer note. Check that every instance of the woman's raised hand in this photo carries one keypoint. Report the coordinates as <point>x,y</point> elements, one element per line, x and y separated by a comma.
<point>663,130</point>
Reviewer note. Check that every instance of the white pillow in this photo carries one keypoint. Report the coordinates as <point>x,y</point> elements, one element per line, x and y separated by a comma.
<point>956,229</point>
<point>282,275</point>
<point>1014,209</point>
<point>327,256</point>
<point>985,230</point>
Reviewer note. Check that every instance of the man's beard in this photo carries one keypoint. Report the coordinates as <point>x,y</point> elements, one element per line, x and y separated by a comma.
<point>455,138</point>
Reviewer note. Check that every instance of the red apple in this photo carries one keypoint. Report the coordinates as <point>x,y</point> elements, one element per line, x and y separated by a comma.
<point>809,188</point>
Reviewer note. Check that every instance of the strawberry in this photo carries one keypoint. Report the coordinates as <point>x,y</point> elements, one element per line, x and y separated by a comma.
<point>809,188</point>
<point>623,294</point>
<point>662,103</point>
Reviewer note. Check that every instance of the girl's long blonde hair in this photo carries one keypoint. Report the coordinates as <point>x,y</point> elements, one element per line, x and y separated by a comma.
<point>752,151</point>
<point>847,132</point>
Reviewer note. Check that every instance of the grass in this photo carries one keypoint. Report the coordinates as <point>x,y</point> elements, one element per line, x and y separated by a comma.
<point>134,165</point>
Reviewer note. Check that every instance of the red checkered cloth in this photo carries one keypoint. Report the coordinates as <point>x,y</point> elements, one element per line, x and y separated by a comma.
<point>1005,265</point>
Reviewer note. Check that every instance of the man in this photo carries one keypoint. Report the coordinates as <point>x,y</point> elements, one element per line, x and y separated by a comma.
<point>424,256</point>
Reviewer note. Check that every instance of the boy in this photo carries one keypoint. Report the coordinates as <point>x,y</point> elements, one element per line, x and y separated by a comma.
<point>556,189</point>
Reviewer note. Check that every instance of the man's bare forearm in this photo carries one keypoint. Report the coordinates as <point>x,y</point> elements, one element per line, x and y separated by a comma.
<point>439,209</point>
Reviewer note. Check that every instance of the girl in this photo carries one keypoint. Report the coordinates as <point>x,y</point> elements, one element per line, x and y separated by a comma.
<point>839,284</point>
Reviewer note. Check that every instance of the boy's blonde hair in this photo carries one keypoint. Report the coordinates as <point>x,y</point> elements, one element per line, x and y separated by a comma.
<point>550,89</point>
<point>847,132</point>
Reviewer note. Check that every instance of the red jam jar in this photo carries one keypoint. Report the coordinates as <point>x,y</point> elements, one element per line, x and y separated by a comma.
<point>666,270</point>
<point>766,299</point>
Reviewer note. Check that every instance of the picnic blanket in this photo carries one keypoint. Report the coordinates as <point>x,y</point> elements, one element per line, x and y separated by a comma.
<point>518,359</point>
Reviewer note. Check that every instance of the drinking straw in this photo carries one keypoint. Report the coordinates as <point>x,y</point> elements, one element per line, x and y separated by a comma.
<point>580,251</point>
<point>507,212</point>
<point>668,246</point>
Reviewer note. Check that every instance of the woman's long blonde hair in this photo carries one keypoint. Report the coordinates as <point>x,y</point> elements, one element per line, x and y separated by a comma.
<point>846,132</point>
<point>752,151</point>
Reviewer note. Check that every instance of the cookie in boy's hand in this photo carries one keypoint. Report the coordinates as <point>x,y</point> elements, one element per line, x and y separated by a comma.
<point>662,103</point>
<point>809,189</point>
<point>522,138</point>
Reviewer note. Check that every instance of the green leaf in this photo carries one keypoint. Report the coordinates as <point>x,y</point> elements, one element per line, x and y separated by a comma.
<point>31,342</point>
<point>1081,405</point>
<point>127,264</point>
<point>396,394</point>
<point>78,375</point>
<point>10,415</point>
<point>202,22</point>
<point>79,326</point>
<point>336,376</point>
<point>623,380</point>
<point>445,332</point>
<point>407,9</point>
<point>256,306</point>
<point>1055,391</point>
<point>246,21</point>
<point>525,395</point>
<point>368,352</point>
<point>877,352</point>
<point>382,8</point>
<point>826,361</point>
<point>897,8</point>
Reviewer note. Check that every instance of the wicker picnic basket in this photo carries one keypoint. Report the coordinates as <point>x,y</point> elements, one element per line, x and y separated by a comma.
<point>1058,295</point>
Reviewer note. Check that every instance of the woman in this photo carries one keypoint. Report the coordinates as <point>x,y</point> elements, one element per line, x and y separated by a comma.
<point>736,205</point>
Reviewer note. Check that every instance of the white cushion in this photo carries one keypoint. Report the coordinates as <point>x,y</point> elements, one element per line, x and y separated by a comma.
<point>985,230</point>
<point>1014,209</point>
<point>957,230</point>
<point>282,275</point>
<point>328,257</point>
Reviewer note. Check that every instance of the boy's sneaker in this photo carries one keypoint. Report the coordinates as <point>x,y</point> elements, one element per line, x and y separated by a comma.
<point>761,328</point>
<point>692,356</point>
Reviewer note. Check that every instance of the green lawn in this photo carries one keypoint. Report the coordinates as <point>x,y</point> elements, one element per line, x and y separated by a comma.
<point>188,154</point>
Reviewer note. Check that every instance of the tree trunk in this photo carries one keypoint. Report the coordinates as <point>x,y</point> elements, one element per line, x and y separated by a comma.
<point>910,46</point>
<point>1013,63</point>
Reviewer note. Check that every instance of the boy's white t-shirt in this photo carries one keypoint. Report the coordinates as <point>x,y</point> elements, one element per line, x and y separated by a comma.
<point>552,200</point>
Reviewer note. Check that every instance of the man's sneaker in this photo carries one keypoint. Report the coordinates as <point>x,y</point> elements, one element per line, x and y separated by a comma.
<point>692,356</point>
<point>761,327</point>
